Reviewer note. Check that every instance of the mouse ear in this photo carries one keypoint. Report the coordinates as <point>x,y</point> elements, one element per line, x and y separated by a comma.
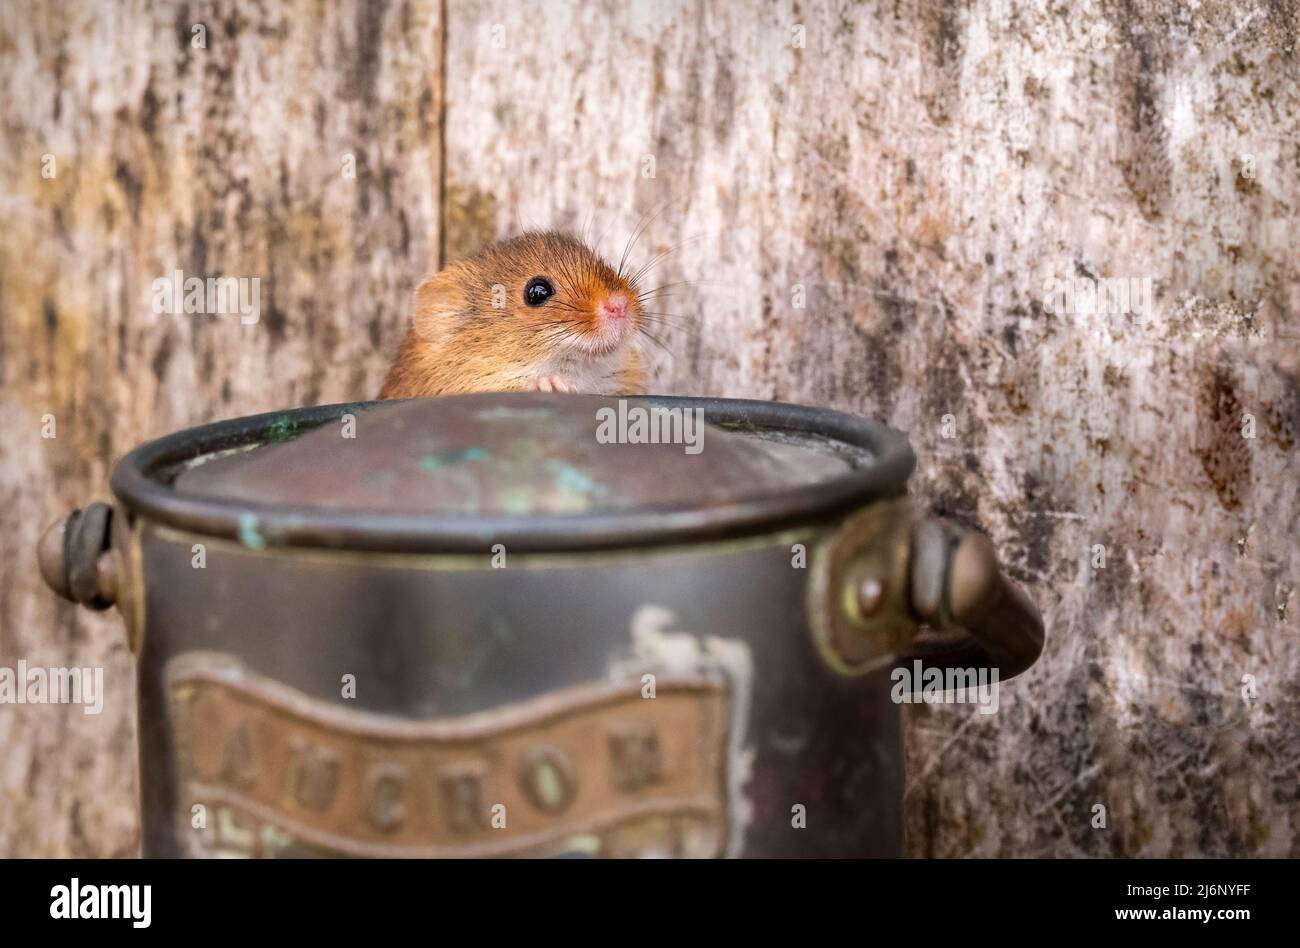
<point>439,304</point>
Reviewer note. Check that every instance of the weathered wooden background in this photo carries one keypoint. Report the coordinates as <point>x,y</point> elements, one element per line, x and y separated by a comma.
<point>913,172</point>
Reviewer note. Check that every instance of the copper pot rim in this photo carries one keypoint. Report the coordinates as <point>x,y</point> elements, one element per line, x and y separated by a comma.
<point>141,481</point>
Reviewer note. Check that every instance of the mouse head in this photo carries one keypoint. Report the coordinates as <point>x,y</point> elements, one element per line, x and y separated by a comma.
<point>530,297</point>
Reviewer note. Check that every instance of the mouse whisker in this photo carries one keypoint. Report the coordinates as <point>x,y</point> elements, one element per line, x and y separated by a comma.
<point>655,315</point>
<point>675,327</point>
<point>656,340</point>
<point>672,289</point>
<point>636,235</point>
<point>601,236</point>
<point>564,277</point>
<point>647,294</point>
<point>657,300</point>
<point>572,269</point>
<point>566,306</point>
<point>560,327</point>
<point>663,254</point>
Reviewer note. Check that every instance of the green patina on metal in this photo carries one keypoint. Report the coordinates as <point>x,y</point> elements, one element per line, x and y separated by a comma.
<point>444,462</point>
<point>431,462</point>
<point>517,502</point>
<point>285,428</point>
<point>502,411</point>
<point>248,532</point>
<point>572,480</point>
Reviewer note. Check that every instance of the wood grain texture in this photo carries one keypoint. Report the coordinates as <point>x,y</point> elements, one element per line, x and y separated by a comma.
<point>914,174</point>
<point>221,161</point>
<point>919,171</point>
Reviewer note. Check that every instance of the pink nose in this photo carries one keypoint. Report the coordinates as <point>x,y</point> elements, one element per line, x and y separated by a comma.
<point>614,307</point>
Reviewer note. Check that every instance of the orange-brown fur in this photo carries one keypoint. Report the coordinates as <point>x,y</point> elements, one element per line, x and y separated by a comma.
<point>459,341</point>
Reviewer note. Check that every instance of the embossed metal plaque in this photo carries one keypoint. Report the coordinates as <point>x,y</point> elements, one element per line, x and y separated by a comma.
<point>600,769</point>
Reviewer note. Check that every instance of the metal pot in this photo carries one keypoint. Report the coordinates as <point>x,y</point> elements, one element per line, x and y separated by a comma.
<point>519,624</point>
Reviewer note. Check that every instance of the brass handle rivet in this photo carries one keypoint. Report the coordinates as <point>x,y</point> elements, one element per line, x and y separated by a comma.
<point>871,595</point>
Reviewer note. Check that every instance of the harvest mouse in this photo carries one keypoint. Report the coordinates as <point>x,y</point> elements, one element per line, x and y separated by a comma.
<point>539,312</point>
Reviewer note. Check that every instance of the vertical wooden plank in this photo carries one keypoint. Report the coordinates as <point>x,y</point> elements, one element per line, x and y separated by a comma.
<point>229,158</point>
<point>916,174</point>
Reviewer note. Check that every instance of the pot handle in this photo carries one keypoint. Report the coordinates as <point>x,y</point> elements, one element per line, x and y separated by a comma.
<point>76,558</point>
<point>978,617</point>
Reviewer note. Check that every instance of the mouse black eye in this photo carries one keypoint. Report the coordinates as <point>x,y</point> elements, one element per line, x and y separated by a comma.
<point>538,291</point>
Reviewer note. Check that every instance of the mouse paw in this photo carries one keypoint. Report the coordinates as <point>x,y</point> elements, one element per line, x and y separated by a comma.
<point>554,383</point>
